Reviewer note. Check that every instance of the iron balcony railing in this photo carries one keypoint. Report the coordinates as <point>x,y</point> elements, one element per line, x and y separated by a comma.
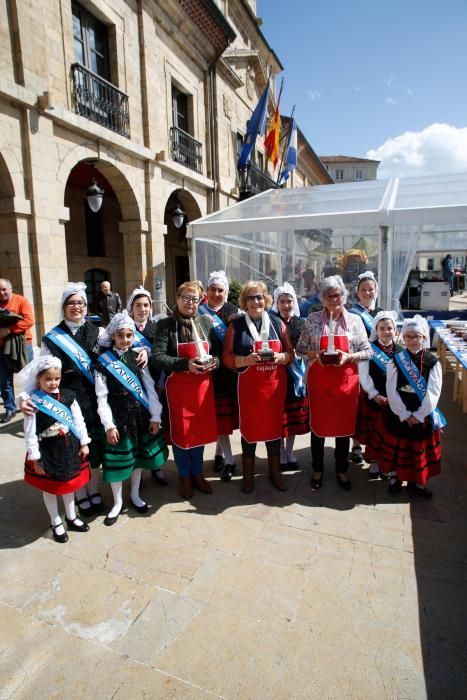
<point>98,100</point>
<point>186,150</point>
<point>252,180</point>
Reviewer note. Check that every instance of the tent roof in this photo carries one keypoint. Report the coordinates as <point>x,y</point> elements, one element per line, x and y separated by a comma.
<point>435,201</point>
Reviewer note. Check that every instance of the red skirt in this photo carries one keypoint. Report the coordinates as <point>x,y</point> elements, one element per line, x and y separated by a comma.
<point>42,482</point>
<point>296,420</point>
<point>412,460</point>
<point>367,415</point>
<point>226,415</point>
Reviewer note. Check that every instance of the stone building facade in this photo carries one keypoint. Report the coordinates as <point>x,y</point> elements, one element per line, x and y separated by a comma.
<point>350,169</point>
<point>149,98</point>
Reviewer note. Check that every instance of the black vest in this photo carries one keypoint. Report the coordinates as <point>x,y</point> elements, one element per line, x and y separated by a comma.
<point>43,421</point>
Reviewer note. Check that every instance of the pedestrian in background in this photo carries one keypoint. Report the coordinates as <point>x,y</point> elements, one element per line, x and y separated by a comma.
<point>108,303</point>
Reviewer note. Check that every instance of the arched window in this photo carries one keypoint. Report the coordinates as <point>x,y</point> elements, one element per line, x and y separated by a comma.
<point>93,279</point>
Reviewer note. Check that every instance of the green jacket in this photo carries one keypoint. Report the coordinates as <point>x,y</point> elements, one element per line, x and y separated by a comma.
<point>164,352</point>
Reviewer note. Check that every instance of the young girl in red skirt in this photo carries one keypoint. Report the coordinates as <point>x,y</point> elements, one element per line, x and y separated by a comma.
<point>372,374</point>
<point>57,443</point>
<point>409,447</point>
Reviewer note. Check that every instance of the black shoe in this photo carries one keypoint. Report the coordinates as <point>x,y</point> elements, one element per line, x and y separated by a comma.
<point>395,487</point>
<point>218,463</point>
<point>345,485</point>
<point>139,509</point>
<point>7,418</point>
<point>99,506</point>
<point>59,538</point>
<point>84,527</point>
<point>159,478</point>
<point>83,510</point>
<point>414,490</point>
<point>284,466</point>
<point>316,483</point>
<point>227,472</point>
<point>292,465</point>
<point>356,455</point>
<point>111,521</point>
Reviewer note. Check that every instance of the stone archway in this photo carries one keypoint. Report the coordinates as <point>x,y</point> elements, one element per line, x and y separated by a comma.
<point>14,250</point>
<point>113,239</point>
<point>176,244</point>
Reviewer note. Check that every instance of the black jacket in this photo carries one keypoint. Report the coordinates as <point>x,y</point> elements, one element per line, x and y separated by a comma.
<point>107,305</point>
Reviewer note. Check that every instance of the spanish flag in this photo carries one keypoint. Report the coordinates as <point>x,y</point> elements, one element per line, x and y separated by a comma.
<point>271,142</point>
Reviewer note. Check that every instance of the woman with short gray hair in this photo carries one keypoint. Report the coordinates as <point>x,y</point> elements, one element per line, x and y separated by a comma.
<point>333,341</point>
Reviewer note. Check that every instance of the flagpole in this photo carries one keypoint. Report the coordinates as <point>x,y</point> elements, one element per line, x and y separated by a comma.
<point>284,150</point>
<point>268,152</point>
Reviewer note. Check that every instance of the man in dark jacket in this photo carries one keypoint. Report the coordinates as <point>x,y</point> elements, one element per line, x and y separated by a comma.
<point>108,303</point>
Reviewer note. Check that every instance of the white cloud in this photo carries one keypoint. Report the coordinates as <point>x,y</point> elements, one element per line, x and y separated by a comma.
<point>390,82</point>
<point>409,92</point>
<point>390,101</point>
<point>440,148</point>
<point>313,94</point>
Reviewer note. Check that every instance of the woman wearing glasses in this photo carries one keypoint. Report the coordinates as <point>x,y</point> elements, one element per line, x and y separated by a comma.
<point>332,380</point>
<point>258,347</point>
<point>182,348</point>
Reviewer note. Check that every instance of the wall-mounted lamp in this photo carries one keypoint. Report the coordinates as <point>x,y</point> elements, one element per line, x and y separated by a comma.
<point>94,197</point>
<point>178,216</point>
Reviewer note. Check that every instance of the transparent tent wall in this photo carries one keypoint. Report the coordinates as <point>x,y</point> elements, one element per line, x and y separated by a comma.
<point>301,257</point>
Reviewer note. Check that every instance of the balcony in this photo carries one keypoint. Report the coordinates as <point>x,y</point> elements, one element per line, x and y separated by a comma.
<point>186,150</point>
<point>252,180</point>
<point>99,100</point>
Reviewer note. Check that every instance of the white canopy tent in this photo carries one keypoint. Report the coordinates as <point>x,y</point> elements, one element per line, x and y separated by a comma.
<point>345,228</point>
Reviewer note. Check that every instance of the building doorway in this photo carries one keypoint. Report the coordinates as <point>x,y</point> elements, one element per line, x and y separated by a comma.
<point>176,244</point>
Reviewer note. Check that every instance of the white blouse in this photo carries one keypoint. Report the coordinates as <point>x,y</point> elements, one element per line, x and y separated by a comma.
<point>430,401</point>
<point>32,440</point>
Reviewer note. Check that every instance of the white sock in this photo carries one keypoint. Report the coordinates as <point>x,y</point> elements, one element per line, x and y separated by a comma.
<point>289,443</point>
<point>117,491</point>
<point>69,503</point>
<point>283,454</point>
<point>135,482</point>
<point>224,442</point>
<point>82,493</point>
<point>92,486</point>
<point>374,468</point>
<point>356,447</point>
<point>218,448</point>
<point>51,504</point>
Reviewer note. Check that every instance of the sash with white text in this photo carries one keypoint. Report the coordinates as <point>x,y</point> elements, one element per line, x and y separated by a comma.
<point>75,352</point>
<point>125,376</point>
<point>218,323</point>
<point>418,384</point>
<point>380,358</point>
<point>365,315</point>
<point>141,341</point>
<point>54,409</point>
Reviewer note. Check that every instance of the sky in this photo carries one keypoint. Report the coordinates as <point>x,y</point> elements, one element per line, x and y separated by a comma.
<point>382,79</point>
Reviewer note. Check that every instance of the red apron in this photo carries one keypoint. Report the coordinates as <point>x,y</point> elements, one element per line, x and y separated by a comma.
<point>190,399</point>
<point>333,394</point>
<point>261,398</point>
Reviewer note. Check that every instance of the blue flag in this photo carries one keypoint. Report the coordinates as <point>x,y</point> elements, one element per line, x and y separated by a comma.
<point>255,126</point>
<point>291,157</point>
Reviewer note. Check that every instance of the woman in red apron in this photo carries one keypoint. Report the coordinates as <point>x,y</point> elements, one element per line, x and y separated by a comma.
<point>333,388</point>
<point>258,347</point>
<point>182,349</point>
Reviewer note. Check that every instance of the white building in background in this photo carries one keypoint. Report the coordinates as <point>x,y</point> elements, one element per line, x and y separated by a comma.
<point>350,169</point>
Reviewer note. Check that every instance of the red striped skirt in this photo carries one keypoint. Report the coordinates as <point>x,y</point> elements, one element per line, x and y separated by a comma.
<point>42,482</point>
<point>296,420</point>
<point>367,415</point>
<point>412,460</point>
<point>226,415</point>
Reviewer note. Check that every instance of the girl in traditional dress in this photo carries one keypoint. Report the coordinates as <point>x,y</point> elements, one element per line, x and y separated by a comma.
<point>333,388</point>
<point>56,441</point>
<point>295,420</point>
<point>130,412</point>
<point>221,311</point>
<point>365,307</point>
<point>372,374</point>
<point>139,306</point>
<point>185,348</point>
<point>258,347</point>
<point>409,446</point>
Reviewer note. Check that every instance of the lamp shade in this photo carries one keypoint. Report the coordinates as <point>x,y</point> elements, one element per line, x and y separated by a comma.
<point>94,197</point>
<point>178,217</point>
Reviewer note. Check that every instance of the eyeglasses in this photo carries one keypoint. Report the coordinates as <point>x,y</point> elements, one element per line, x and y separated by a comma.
<point>333,296</point>
<point>80,304</point>
<point>190,300</point>
<point>409,336</point>
<point>255,297</point>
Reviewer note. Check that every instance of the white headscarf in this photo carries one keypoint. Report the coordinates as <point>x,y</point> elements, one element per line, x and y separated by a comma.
<point>381,316</point>
<point>139,291</point>
<point>121,320</point>
<point>369,275</point>
<point>219,277</point>
<point>286,288</point>
<point>27,378</point>
<point>417,324</point>
<point>70,289</point>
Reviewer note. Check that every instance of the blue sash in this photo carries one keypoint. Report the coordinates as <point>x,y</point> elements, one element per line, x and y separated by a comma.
<point>141,341</point>
<point>218,323</point>
<point>365,315</point>
<point>418,384</point>
<point>297,370</point>
<point>55,409</point>
<point>380,358</point>
<point>125,376</point>
<point>75,352</point>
